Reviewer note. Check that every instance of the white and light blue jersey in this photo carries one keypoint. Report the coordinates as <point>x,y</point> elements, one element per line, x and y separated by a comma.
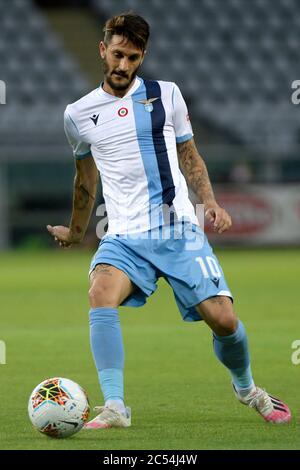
<point>133,142</point>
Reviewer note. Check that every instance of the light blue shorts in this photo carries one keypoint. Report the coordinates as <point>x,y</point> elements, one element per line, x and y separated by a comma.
<point>180,254</point>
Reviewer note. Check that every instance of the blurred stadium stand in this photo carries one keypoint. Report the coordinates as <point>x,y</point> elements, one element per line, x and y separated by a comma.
<point>41,79</point>
<point>234,60</point>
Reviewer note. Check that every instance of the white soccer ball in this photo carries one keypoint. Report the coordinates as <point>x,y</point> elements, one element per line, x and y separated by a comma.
<point>58,407</point>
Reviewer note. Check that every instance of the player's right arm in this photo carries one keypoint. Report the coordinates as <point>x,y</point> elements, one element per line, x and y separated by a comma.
<point>84,194</point>
<point>84,191</point>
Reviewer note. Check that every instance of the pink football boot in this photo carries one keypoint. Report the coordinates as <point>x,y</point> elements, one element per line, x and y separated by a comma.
<point>270,408</point>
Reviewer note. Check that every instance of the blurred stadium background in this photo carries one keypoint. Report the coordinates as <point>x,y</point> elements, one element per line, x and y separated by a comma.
<point>235,62</point>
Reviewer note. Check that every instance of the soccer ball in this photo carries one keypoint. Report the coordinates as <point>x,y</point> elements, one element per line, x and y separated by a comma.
<point>58,407</point>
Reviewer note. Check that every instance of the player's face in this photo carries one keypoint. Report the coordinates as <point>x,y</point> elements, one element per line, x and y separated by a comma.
<point>121,61</point>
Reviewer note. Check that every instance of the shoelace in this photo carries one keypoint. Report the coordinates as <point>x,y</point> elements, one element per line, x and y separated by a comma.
<point>261,401</point>
<point>106,413</point>
<point>102,409</point>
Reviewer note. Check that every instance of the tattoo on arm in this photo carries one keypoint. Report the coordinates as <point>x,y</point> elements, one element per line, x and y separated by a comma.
<point>195,171</point>
<point>82,197</point>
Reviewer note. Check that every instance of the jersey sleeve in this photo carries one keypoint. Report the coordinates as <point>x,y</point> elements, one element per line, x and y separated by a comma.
<point>80,149</point>
<point>182,124</point>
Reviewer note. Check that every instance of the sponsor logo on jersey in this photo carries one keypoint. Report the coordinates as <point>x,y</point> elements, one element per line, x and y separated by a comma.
<point>94,118</point>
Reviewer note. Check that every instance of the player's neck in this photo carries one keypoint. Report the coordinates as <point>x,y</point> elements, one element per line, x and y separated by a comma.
<point>118,93</point>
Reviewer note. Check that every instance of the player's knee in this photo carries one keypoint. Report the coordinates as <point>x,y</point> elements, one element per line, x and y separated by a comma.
<point>226,323</point>
<point>219,315</point>
<point>101,295</point>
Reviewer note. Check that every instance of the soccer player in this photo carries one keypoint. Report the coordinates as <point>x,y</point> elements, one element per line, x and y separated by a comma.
<point>138,135</point>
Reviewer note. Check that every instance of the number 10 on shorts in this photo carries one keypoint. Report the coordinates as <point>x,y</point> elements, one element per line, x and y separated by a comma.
<point>209,267</point>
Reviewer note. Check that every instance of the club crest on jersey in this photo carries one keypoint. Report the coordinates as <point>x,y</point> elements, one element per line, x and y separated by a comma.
<point>148,104</point>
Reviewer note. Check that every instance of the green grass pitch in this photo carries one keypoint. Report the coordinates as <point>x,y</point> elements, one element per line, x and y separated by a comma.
<point>180,395</point>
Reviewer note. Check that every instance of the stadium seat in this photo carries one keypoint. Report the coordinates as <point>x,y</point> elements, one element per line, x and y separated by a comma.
<point>38,71</point>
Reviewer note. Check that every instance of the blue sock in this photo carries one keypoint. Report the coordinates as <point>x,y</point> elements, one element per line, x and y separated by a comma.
<point>233,352</point>
<point>108,351</point>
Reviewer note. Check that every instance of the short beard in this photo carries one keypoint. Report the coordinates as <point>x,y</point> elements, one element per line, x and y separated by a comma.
<point>112,84</point>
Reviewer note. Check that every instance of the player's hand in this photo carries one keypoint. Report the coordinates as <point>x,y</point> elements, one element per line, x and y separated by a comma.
<point>218,217</point>
<point>62,235</point>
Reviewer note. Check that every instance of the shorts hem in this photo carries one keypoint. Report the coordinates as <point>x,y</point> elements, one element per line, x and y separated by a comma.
<point>209,297</point>
<point>190,314</point>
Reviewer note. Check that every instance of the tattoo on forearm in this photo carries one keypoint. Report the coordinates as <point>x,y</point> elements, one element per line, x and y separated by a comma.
<point>82,197</point>
<point>195,171</point>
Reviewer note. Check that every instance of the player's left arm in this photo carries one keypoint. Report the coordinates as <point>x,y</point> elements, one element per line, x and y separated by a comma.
<point>195,172</point>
